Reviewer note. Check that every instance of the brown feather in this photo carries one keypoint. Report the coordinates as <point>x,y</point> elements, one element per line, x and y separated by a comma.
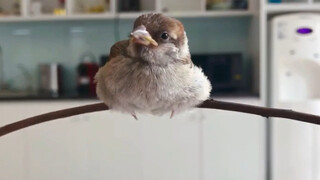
<point>157,23</point>
<point>118,49</point>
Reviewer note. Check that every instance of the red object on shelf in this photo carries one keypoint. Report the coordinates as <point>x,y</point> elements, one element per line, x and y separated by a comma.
<point>86,84</point>
<point>87,70</point>
<point>62,1</point>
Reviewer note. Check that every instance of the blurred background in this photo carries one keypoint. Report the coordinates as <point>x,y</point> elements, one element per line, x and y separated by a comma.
<point>258,52</point>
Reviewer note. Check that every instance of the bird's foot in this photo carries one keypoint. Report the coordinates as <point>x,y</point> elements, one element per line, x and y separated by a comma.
<point>172,114</point>
<point>134,116</point>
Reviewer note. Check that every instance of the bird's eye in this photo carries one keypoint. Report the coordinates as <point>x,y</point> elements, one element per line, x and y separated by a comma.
<point>164,36</point>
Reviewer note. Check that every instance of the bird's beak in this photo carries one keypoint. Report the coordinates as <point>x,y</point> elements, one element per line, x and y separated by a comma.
<point>151,40</point>
<point>143,37</point>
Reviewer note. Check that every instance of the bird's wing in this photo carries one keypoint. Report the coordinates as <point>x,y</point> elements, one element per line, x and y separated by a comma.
<point>118,49</point>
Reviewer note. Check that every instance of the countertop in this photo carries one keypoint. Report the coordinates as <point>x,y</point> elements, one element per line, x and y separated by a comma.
<point>42,97</point>
<point>87,97</point>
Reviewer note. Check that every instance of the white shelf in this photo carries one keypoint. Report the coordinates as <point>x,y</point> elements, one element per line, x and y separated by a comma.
<point>90,16</point>
<point>290,7</point>
<point>129,15</point>
<point>57,17</point>
<point>149,6</point>
<point>226,13</point>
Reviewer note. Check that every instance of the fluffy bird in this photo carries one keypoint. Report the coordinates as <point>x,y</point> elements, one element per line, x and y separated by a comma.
<point>152,72</point>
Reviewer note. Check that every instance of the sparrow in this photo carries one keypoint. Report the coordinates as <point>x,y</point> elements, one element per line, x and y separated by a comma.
<point>152,71</point>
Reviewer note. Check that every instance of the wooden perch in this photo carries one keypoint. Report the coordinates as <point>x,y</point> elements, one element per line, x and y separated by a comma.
<point>210,104</point>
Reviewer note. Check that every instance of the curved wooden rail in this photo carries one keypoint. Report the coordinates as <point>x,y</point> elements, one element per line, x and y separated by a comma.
<point>211,104</point>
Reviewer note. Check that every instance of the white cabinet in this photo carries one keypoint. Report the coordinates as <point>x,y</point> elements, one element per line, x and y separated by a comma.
<point>12,147</point>
<point>295,145</point>
<point>233,146</point>
<point>196,145</point>
<point>80,147</point>
<point>47,151</point>
<point>294,155</point>
<point>103,145</point>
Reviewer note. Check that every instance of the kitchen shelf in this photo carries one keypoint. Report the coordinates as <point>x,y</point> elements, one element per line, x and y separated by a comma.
<point>90,16</point>
<point>57,17</point>
<point>113,13</point>
<point>77,97</point>
<point>291,7</point>
<point>46,98</point>
<point>226,13</point>
<point>129,15</point>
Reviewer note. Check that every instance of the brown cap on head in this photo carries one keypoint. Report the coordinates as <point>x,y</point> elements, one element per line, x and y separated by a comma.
<point>157,23</point>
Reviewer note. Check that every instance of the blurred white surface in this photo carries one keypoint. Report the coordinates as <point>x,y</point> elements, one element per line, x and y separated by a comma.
<point>295,71</point>
<point>199,144</point>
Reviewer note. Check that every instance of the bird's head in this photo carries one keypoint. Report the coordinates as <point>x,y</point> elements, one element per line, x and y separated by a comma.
<point>159,39</point>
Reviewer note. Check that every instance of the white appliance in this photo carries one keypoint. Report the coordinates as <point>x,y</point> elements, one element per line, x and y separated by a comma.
<point>295,84</point>
<point>50,79</point>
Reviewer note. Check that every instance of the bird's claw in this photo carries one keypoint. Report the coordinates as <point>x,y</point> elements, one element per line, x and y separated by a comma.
<point>172,114</point>
<point>134,116</point>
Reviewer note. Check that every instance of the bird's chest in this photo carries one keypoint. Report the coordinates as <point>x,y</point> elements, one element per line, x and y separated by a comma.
<point>151,79</point>
<point>151,88</point>
<point>152,82</point>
